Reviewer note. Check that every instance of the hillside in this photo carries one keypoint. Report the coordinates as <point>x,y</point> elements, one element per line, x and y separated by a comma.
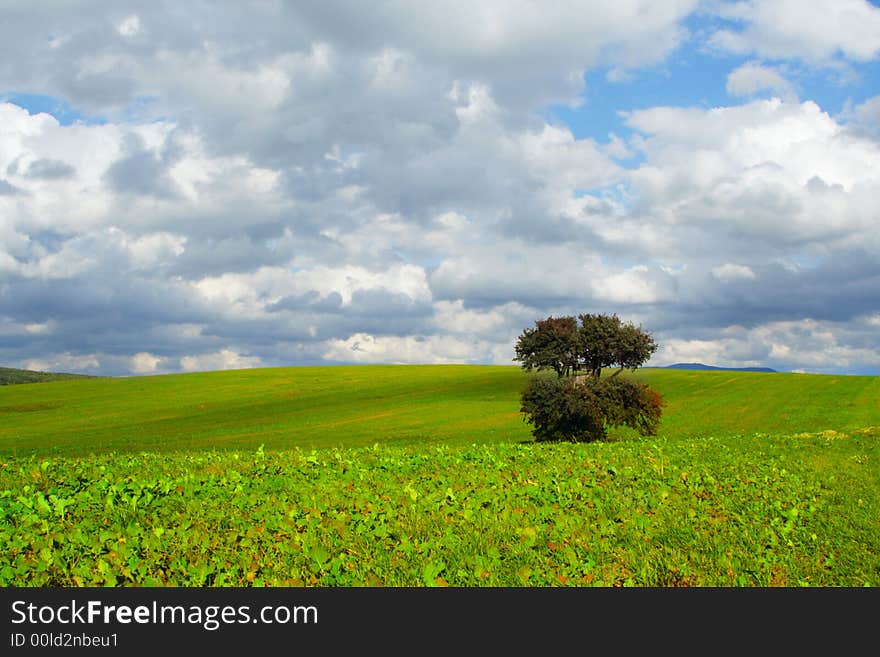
<point>10,376</point>
<point>354,406</point>
<point>216,479</point>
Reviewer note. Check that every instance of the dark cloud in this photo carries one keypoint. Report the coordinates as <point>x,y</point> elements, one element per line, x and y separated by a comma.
<point>141,171</point>
<point>110,303</point>
<point>8,189</point>
<point>48,169</point>
<point>211,257</point>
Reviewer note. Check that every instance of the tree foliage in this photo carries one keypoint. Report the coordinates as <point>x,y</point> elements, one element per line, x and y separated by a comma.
<point>558,409</point>
<point>569,348</point>
<point>552,344</point>
<point>578,404</point>
<point>605,341</point>
<point>582,410</point>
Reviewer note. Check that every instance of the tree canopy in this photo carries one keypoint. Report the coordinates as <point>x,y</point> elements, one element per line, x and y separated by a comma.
<point>600,341</point>
<point>552,344</point>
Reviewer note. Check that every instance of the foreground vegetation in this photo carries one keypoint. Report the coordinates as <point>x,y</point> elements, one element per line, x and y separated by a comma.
<point>757,510</point>
<point>385,476</point>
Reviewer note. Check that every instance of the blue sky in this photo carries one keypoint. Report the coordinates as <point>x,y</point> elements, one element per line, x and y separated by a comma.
<point>693,78</point>
<point>332,183</point>
<point>41,103</point>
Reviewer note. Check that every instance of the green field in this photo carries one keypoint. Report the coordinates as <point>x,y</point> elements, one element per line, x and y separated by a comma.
<point>313,407</point>
<point>427,475</point>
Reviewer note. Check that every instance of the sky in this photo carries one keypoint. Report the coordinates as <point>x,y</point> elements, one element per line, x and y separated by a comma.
<point>212,185</point>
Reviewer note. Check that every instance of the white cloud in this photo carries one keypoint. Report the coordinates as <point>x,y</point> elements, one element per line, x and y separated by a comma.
<point>617,148</point>
<point>636,285</point>
<point>408,280</point>
<point>151,249</point>
<point>867,117</point>
<point>817,31</point>
<point>564,163</point>
<point>145,363</point>
<point>752,78</point>
<point>729,272</point>
<point>617,74</point>
<point>64,362</point>
<point>513,270</point>
<point>708,352</point>
<point>248,294</point>
<point>452,317</point>
<point>225,359</point>
<point>435,349</point>
<point>795,345</point>
<point>130,26</point>
<point>70,261</point>
<point>474,104</point>
<point>786,172</point>
<point>40,328</point>
<point>815,345</point>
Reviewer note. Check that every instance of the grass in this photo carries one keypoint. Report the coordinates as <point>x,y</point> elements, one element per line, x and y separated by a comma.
<point>316,407</point>
<point>427,476</point>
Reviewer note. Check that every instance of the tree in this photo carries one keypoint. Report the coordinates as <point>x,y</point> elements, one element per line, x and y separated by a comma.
<point>604,341</point>
<point>578,404</point>
<point>601,341</point>
<point>565,408</point>
<point>552,344</point>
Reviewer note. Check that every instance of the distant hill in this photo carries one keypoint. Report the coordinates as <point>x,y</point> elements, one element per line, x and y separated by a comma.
<point>10,376</point>
<point>701,366</point>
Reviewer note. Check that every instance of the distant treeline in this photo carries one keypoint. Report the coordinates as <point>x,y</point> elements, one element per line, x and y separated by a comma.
<point>9,376</point>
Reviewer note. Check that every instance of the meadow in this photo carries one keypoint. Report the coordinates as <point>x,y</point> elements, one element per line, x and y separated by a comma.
<point>427,475</point>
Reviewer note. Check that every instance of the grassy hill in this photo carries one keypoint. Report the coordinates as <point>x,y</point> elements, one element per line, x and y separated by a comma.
<point>10,376</point>
<point>355,406</point>
<point>427,476</point>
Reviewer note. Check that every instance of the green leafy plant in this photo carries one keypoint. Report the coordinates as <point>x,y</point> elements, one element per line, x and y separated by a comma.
<point>742,510</point>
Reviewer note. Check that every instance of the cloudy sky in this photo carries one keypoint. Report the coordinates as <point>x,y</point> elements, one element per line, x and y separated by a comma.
<point>208,185</point>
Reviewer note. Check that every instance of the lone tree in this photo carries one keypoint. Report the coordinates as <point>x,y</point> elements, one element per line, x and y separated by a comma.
<point>579,405</point>
<point>552,344</point>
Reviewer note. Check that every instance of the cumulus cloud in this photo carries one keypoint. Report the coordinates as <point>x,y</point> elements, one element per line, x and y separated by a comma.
<point>817,31</point>
<point>225,359</point>
<point>752,78</point>
<point>145,363</point>
<point>804,345</point>
<point>730,272</point>
<point>435,349</point>
<point>635,285</point>
<point>314,182</point>
<point>760,171</point>
<point>65,362</point>
<point>866,117</point>
<point>140,170</point>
